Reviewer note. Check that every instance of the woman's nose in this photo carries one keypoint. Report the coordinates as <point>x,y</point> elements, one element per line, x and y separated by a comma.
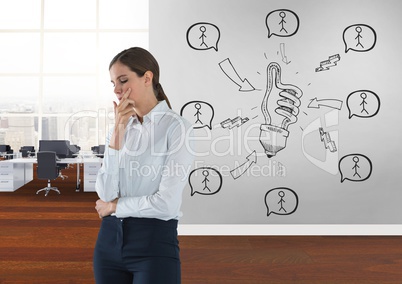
<point>117,90</point>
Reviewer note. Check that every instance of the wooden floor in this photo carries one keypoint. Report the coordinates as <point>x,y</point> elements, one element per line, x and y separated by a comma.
<point>51,239</point>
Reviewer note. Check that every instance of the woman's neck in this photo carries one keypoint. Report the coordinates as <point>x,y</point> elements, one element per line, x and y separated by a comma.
<point>145,109</point>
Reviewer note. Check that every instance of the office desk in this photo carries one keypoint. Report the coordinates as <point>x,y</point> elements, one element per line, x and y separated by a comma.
<point>18,172</point>
<point>14,175</point>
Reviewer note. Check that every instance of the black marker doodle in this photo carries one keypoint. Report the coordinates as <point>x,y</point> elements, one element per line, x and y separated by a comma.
<point>282,113</point>
<point>203,36</point>
<point>205,181</point>
<point>240,170</point>
<point>363,104</point>
<point>359,37</point>
<point>327,64</point>
<point>282,23</point>
<point>331,103</point>
<point>199,113</point>
<point>281,201</point>
<point>283,54</point>
<point>326,138</point>
<point>232,74</point>
<point>235,122</point>
<point>355,167</point>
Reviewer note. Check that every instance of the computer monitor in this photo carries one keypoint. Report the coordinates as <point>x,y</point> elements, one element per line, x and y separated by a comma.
<point>98,150</point>
<point>5,148</point>
<point>61,147</point>
<point>27,151</point>
<point>28,148</point>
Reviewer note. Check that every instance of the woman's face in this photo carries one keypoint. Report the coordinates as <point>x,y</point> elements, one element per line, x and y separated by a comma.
<point>123,79</point>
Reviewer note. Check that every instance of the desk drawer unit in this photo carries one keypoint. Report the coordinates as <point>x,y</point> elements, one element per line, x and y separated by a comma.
<point>12,176</point>
<point>90,173</point>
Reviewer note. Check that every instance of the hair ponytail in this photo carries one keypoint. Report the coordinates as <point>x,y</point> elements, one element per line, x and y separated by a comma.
<point>160,94</point>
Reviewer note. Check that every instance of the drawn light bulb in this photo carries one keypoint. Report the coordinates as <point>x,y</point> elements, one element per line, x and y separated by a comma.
<point>281,111</point>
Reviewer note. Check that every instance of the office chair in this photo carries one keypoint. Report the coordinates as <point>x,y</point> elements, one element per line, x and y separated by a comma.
<point>62,167</point>
<point>73,149</point>
<point>47,169</point>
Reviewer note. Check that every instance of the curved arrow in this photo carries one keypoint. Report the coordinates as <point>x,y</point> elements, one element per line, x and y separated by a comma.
<point>230,71</point>
<point>315,103</point>
<point>240,170</point>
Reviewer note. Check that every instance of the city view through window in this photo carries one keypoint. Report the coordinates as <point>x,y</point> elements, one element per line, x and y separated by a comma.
<point>54,78</point>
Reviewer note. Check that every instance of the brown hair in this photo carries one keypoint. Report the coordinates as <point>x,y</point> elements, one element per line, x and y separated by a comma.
<point>140,61</point>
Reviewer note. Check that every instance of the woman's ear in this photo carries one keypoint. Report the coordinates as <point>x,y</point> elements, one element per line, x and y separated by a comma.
<point>148,78</point>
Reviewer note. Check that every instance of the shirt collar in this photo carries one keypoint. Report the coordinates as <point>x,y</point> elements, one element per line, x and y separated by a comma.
<point>155,115</point>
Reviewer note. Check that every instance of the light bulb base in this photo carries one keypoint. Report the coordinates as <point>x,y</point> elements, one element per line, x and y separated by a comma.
<point>273,139</point>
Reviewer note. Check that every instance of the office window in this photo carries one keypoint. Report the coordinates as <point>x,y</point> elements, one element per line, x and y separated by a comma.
<point>13,16</point>
<point>54,79</point>
<point>71,14</point>
<point>20,52</point>
<point>69,52</point>
<point>118,14</point>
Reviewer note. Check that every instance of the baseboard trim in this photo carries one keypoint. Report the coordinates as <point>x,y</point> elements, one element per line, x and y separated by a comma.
<point>274,230</point>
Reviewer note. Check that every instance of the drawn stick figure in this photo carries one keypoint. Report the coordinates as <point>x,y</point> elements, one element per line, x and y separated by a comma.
<point>203,36</point>
<point>206,180</point>
<point>358,29</point>
<point>363,103</point>
<point>356,166</point>
<point>281,195</point>
<point>282,22</point>
<point>198,113</point>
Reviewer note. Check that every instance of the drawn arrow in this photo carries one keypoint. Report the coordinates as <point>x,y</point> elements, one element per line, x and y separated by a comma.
<point>315,103</point>
<point>240,170</point>
<point>230,71</point>
<point>284,57</point>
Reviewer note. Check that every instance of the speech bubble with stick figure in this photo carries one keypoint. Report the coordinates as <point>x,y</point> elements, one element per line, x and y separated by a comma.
<point>205,181</point>
<point>282,23</point>
<point>281,201</point>
<point>363,104</point>
<point>355,167</point>
<point>199,113</point>
<point>203,36</point>
<point>359,37</point>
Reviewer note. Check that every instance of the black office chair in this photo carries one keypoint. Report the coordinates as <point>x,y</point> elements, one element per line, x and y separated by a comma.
<point>62,167</point>
<point>47,169</point>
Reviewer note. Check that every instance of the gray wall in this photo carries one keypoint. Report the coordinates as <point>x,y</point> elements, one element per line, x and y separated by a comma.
<point>340,60</point>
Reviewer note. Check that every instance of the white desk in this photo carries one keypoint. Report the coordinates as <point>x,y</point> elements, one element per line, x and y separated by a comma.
<point>15,173</point>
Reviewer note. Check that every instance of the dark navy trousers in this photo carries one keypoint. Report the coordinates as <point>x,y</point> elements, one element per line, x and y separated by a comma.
<point>137,250</point>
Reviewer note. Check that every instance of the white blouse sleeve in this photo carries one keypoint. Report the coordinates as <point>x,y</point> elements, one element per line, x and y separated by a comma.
<point>107,180</point>
<point>165,203</point>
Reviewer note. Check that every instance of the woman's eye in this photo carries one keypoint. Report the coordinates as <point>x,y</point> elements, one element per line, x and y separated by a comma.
<point>123,81</point>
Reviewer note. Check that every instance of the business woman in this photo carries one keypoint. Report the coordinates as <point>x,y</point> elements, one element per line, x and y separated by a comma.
<point>146,164</point>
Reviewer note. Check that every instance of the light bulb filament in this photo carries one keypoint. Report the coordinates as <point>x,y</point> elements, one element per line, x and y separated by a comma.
<point>288,107</point>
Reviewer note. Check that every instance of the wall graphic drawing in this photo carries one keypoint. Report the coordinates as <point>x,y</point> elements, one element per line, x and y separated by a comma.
<point>363,104</point>
<point>359,37</point>
<point>199,113</point>
<point>355,167</point>
<point>205,181</point>
<point>274,132</point>
<point>297,104</point>
<point>282,23</point>
<point>281,201</point>
<point>203,36</point>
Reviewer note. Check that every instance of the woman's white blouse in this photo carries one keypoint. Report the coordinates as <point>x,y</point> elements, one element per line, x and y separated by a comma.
<point>149,173</point>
